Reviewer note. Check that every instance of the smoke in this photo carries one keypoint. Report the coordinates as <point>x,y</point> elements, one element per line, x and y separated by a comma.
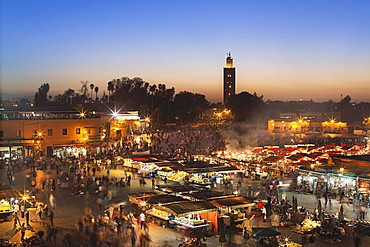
<point>239,136</point>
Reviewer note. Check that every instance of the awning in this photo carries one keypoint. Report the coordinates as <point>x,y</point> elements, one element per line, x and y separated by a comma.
<point>164,199</point>
<point>233,202</point>
<point>186,208</point>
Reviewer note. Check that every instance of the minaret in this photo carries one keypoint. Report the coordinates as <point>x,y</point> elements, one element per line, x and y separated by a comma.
<point>229,79</point>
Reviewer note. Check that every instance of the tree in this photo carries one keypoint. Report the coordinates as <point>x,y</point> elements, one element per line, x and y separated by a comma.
<point>83,89</point>
<point>189,106</point>
<point>96,92</point>
<point>41,95</point>
<point>92,87</point>
<point>246,107</point>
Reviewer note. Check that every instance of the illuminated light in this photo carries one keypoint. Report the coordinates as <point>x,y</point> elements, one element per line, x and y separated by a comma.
<point>312,165</point>
<point>300,120</point>
<point>115,114</point>
<point>332,121</point>
<point>147,119</point>
<point>38,141</point>
<point>341,169</point>
<point>39,134</point>
<point>82,114</point>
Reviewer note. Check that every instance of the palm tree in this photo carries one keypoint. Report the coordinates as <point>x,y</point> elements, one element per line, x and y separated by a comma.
<point>96,92</point>
<point>92,87</point>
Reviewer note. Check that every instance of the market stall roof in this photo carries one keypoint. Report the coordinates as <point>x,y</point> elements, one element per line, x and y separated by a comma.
<point>186,208</point>
<point>357,164</point>
<point>163,199</point>
<point>139,196</point>
<point>233,202</point>
<point>176,189</point>
<point>208,194</point>
<point>7,191</point>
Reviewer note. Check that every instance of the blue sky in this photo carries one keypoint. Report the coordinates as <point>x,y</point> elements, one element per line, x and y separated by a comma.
<point>286,50</point>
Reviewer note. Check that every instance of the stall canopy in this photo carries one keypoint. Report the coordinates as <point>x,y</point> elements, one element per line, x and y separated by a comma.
<point>355,164</point>
<point>207,194</point>
<point>176,189</point>
<point>7,192</point>
<point>186,208</point>
<point>233,202</point>
<point>163,199</point>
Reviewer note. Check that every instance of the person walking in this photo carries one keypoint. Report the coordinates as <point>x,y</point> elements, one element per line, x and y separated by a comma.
<point>99,201</point>
<point>27,216</point>
<point>51,218</point>
<point>87,198</point>
<point>23,231</point>
<point>153,182</point>
<point>39,211</point>
<point>105,201</point>
<point>52,201</point>
<point>46,209</point>
<point>16,220</point>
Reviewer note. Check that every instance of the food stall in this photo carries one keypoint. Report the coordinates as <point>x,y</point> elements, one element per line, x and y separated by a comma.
<point>234,207</point>
<point>158,216</point>
<point>10,197</point>
<point>191,215</point>
<point>308,226</point>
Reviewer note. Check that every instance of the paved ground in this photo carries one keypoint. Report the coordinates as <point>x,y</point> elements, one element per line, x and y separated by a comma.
<point>70,208</point>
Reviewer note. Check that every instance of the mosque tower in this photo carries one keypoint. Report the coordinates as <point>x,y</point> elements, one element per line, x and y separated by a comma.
<point>229,79</point>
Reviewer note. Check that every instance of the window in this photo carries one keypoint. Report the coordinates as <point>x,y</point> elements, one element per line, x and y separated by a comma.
<point>230,86</point>
<point>64,132</point>
<point>1,133</point>
<point>78,131</point>
<point>18,133</point>
<point>50,132</point>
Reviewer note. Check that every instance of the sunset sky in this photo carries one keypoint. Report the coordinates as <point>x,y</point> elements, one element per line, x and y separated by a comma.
<point>283,50</point>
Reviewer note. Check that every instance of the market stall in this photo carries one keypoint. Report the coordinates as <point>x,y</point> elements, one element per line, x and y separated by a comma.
<point>11,198</point>
<point>234,207</point>
<point>158,216</point>
<point>192,215</point>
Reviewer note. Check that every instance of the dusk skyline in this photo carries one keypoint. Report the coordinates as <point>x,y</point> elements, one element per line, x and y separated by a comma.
<point>282,50</point>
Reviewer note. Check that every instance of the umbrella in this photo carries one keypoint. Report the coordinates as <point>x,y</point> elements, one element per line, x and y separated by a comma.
<point>341,215</point>
<point>319,208</point>
<point>265,232</point>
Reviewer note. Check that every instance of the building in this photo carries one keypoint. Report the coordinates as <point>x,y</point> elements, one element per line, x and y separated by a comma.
<point>61,131</point>
<point>229,79</point>
<point>307,124</point>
